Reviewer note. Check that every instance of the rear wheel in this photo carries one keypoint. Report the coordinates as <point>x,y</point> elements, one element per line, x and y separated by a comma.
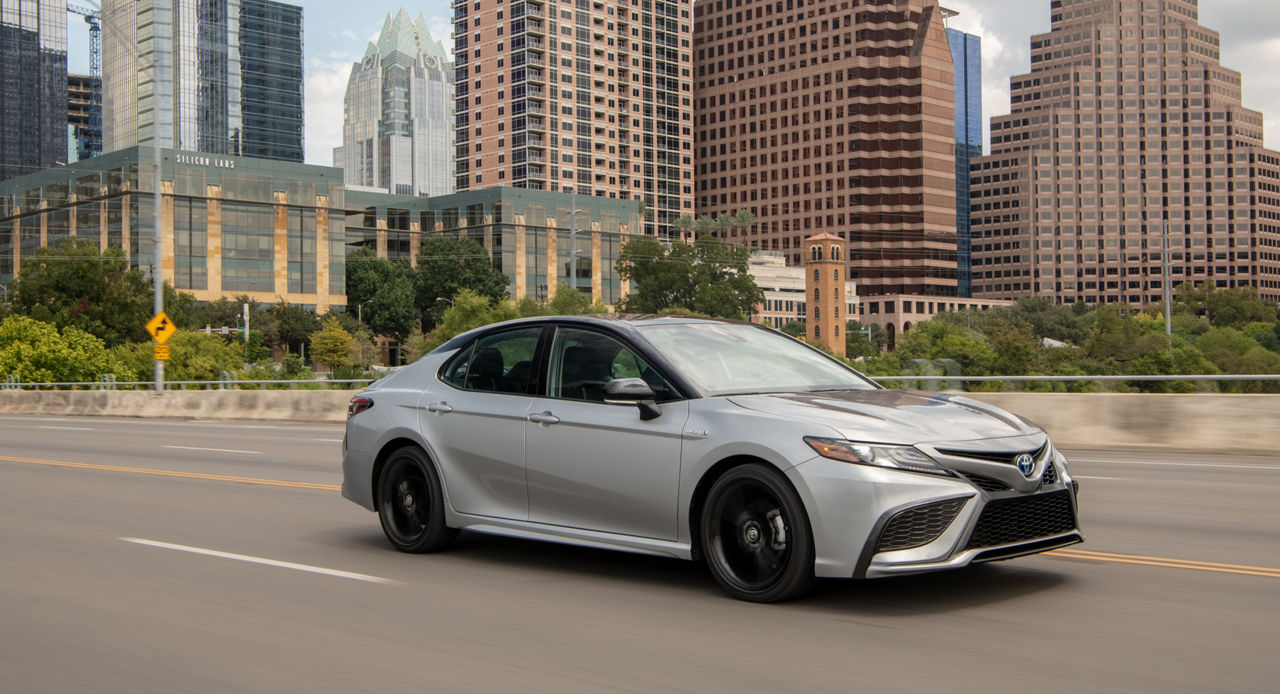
<point>411,504</point>
<point>756,536</point>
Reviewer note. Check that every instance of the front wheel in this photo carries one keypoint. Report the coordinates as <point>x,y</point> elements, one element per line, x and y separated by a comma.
<point>411,505</point>
<point>756,536</point>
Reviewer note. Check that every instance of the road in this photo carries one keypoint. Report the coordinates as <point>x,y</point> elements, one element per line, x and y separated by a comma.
<point>112,581</point>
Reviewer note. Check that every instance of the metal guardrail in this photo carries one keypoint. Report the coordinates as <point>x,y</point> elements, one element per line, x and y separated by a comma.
<point>1029,379</point>
<point>230,381</point>
<point>12,383</point>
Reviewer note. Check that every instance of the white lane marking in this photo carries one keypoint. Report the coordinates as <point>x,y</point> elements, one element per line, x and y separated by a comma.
<point>261,560</point>
<point>67,428</point>
<point>215,450</point>
<point>1201,465</point>
<point>330,440</point>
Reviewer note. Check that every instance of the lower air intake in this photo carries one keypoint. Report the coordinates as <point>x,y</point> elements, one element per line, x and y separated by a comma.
<point>919,525</point>
<point>1005,521</point>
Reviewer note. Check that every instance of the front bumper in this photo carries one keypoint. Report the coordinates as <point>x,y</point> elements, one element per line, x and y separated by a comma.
<point>871,523</point>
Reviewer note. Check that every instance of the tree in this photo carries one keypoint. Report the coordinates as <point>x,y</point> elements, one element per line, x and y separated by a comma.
<point>469,311</point>
<point>446,266</point>
<point>331,345</point>
<point>391,311</point>
<point>380,293</point>
<point>294,325</point>
<point>1224,308</point>
<point>709,277</point>
<point>76,284</point>
<point>363,351</point>
<point>37,352</point>
<point>856,344</point>
<point>571,302</point>
<point>192,357</point>
<point>795,328</point>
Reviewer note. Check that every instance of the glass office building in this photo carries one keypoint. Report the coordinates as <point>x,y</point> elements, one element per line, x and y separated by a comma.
<point>282,231</point>
<point>397,127</point>
<point>33,85</point>
<point>966,55</point>
<point>230,76</point>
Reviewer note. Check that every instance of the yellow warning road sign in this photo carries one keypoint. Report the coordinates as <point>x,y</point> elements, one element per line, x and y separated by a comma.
<point>162,352</point>
<point>161,328</point>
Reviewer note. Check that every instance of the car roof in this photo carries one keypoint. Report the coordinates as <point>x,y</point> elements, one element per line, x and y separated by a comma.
<point>615,320</point>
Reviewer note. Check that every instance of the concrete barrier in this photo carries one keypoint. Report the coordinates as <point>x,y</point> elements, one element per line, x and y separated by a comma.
<point>1192,421</point>
<point>1202,422</point>
<point>290,405</point>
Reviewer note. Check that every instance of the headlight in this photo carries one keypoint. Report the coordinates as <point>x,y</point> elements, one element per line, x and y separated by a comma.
<point>1060,459</point>
<point>894,457</point>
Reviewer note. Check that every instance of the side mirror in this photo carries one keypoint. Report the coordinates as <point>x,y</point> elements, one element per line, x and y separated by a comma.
<point>633,391</point>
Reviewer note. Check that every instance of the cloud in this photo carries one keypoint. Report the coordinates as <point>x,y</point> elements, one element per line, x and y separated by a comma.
<point>326,84</point>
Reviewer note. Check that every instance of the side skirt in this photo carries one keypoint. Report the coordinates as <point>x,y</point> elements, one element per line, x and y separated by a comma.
<point>569,536</point>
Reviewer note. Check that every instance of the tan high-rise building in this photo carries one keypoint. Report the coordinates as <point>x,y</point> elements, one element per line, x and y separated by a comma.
<point>824,263</point>
<point>832,117</point>
<point>1127,119</point>
<point>593,97</point>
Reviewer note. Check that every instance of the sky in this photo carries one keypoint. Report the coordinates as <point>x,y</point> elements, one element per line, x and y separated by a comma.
<point>336,32</point>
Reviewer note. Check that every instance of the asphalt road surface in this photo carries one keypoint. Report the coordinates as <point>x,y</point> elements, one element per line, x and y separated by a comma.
<point>169,556</point>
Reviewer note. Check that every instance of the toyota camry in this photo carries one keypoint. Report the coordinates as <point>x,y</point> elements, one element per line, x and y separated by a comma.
<point>709,440</point>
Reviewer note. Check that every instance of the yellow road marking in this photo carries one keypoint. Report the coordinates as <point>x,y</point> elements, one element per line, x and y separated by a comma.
<point>174,473</point>
<point>1169,563</point>
<point>1066,553</point>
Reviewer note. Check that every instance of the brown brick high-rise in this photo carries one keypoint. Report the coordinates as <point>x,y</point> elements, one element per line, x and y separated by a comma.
<point>1126,119</point>
<point>591,97</point>
<point>824,286</point>
<point>833,117</point>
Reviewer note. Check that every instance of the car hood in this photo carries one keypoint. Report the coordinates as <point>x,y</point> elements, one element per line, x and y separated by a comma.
<point>893,416</point>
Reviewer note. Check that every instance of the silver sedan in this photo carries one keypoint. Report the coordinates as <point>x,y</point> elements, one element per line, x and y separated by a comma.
<point>699,439</point>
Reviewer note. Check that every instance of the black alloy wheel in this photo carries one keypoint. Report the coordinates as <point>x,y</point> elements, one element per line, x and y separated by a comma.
<point>756,536</point>
<point>410,503</point>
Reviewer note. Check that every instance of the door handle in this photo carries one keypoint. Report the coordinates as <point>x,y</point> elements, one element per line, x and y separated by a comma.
<point>440,407</point>
<point>544,418</point>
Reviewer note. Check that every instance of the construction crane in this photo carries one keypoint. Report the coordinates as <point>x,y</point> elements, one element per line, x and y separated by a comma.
<point>94,19</point>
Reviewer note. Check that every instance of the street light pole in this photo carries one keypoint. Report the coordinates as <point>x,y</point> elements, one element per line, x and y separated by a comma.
<point>157,273</point>
<point>1168,302</point>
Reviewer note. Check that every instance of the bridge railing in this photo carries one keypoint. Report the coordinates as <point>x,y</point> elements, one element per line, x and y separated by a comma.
<point>1256,383</point>
<point>108,382</point>
<point>1157,383</point>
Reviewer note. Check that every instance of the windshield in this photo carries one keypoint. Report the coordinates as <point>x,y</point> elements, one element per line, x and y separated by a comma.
<point>724,358</point>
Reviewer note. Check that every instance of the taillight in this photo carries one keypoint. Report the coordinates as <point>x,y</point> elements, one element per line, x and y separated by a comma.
<point>357,405</point>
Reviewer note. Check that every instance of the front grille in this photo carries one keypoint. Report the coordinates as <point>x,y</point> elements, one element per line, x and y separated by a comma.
<point>1006,458</point>
<point>1005,521</point>
<point>1050,475</point>
<point>986,484</point>
<point>919,525</point>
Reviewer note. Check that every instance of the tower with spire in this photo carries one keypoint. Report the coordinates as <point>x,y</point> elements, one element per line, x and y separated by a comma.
<point>398,124</point>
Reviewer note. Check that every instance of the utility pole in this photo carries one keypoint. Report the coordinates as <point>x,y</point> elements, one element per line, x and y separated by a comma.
<point>1168,302</point>
<point>157,272</point>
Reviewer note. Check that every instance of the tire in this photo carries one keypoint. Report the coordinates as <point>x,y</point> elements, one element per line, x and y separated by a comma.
<point>756,537</point>
<point>410,503</point>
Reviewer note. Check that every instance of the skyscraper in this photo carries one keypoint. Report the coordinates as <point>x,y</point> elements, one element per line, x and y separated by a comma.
<point>232,83</point>
<point>398,126</point>
<point>832,117</point>
<point>33,85</point>
<point>590,97</point>
<point>1126,125</point>
<point>966,56</point>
